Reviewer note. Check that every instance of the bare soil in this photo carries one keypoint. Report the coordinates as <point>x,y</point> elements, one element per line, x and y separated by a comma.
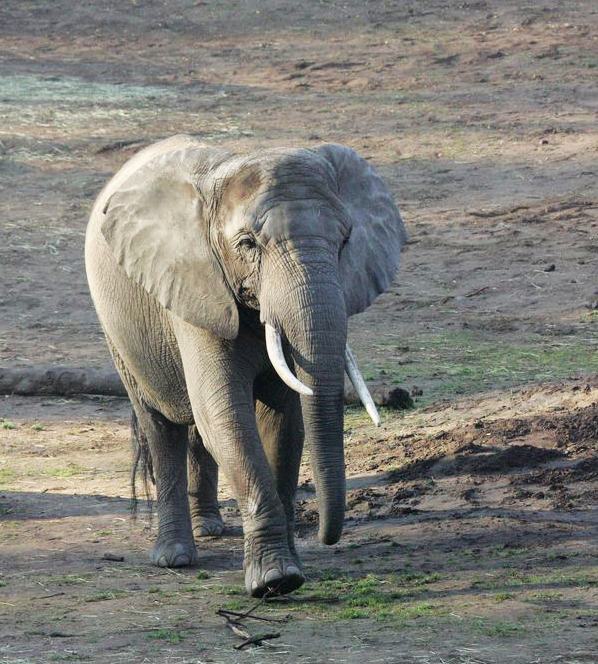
<point>472,529</point>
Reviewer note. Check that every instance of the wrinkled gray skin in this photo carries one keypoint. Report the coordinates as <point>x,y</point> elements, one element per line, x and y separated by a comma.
<point>190,250</point>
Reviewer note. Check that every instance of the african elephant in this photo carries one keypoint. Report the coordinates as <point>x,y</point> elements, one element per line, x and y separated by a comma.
<point>223,283</point>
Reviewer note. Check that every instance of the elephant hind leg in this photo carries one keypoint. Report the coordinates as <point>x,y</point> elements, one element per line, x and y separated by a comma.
<point>142,461</point>
<point>203,488</point>
<point>167,444</point>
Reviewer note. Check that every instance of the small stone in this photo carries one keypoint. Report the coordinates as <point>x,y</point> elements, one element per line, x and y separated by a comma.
<point>113,557</point>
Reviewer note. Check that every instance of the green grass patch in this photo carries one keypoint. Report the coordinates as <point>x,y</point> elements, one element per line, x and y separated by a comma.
<point>202,575</point>
<point>107,595</point>
<point>505,552</point>
<point>7,424</point>
<point>70,470</point>
<point>7,477</point>
<point>336,595</point>
<point>351,614</point>
<point>416,578</point>
<point>499,628</point>
<point>167,635</point>
<point>502,597</point>
<point>547,596</point>
<point>37,427</point>
<point>519,579</point>
<point>64,580</point>
<point>468,362</point>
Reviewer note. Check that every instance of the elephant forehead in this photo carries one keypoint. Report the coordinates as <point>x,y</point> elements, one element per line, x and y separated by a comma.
<point>280,194</point>
<point>300,218</point>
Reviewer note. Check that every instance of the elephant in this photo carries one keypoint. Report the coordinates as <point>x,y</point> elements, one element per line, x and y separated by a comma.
<point>223,282</point>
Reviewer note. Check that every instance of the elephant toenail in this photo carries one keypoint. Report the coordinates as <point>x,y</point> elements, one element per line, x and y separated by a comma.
<point>293,571</point>
<point>272,576</point>
<point>253,585</point>
<point>182,561</point>
<point>162,562</point>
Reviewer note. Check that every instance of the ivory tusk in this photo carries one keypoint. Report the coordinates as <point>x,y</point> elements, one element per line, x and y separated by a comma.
<point>276,355</point>
<point>359,384</point>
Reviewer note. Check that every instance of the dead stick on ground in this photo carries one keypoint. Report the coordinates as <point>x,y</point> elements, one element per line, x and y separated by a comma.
<point>479,291</point>
<point>236,614</point>
<point>258,639</point>
<point>239,629</point>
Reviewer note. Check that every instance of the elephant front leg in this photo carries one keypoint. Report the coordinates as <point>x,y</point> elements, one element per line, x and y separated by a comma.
<point>167,441</point>
<point>203,488</point>
<point>219,377</point>
<point>269,563</point>
<point>280,426</point>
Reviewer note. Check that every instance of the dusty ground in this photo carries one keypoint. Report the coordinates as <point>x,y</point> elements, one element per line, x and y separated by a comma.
<point>472,528</point>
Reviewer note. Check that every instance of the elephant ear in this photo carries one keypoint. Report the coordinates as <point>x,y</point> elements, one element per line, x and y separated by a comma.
<point>370,258</point>
<point>155,225</point>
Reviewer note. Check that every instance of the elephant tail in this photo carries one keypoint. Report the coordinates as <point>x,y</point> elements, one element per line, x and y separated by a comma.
<point>142,462</point>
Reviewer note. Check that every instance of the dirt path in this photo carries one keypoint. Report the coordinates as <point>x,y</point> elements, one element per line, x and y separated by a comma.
<point>472,533</point>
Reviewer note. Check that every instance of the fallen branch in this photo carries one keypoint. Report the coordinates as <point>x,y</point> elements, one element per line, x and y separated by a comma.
<point>479,291</point>
<point>225,612</point>
<point>60,381</point>
<point>237,627</point>
<point>70,381</point>
<point>258,640</point>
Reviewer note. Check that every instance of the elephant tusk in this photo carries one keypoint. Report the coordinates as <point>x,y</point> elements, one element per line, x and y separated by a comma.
<point>276,355</point>
<point>359,384</point>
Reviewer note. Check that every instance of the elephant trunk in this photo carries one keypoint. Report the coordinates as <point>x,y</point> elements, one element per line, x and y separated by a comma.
<point>311,314</point>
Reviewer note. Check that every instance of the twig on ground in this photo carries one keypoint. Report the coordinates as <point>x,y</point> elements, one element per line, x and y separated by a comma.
<point>236,625</point>
<point>258,640</point>
<point>479,291</point>
<point>236,614</point>
<point>236,628</point>
<point>48,596</point>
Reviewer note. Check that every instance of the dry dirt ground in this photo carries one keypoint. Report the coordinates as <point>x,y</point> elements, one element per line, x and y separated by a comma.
<point>472,524</point>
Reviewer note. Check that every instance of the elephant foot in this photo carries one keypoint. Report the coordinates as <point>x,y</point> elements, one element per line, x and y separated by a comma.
<point>207,525</point>
<point>275,575</point>
<point>174,553</point>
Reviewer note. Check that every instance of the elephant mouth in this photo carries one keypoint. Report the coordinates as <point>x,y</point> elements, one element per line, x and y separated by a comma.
<point>276,355</point>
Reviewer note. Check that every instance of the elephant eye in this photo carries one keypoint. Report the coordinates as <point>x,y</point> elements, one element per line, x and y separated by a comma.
<point>344,242</point>
<point>246,242</point>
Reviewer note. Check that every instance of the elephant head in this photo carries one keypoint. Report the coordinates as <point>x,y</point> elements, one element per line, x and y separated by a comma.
<point>306,237</point>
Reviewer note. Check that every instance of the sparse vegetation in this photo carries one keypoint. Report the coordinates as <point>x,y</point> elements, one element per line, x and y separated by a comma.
<point>481,119</point>
<point>107,595</point>
<point>167,635</point>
